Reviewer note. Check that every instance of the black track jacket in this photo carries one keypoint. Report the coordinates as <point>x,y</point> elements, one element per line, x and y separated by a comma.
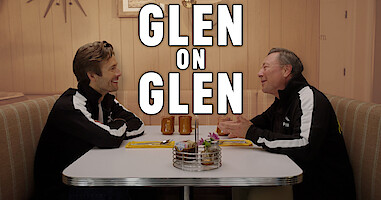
<point>72,129</point>
<point>302,124</point>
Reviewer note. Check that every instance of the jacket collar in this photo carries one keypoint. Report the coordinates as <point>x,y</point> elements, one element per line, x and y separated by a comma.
<point>293,86</point>
<point>91,95</point>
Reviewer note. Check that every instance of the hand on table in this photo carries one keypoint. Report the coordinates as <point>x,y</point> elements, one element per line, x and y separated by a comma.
<point>237,128</point>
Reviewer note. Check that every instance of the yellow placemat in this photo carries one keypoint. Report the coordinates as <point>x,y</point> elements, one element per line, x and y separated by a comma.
<point>149,144</point>
<point>235,143</point>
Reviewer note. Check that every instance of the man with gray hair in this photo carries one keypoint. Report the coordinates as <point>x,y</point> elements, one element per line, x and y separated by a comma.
<point>302,124</point>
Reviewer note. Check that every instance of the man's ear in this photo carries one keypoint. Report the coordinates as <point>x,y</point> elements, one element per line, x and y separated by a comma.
<point>287,70</point>
<point>91,76</point>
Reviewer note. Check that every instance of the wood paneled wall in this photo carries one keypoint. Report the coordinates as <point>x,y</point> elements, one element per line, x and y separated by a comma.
<point>347,50</point>
<point>36,52</point>
<point>377,58</point>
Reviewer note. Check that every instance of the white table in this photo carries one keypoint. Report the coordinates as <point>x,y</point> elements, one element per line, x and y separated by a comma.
<point>241,166</point>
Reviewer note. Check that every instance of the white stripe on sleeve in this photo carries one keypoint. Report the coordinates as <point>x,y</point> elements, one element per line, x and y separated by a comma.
<point>132,132</point>
<point>79,102</point>
<point>307,106</point>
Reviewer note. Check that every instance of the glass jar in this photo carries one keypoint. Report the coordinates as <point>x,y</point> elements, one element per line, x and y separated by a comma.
<point>210,153</point>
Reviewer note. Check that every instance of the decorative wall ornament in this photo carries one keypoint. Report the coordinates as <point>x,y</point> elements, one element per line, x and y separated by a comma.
<point>58,2</point>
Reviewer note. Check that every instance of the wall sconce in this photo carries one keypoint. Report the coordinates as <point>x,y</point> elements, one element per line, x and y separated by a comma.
<point>188,3</point>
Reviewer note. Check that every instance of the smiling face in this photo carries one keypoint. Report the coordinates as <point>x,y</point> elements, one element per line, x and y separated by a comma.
<point>273,75</point>
<point>108,81</point>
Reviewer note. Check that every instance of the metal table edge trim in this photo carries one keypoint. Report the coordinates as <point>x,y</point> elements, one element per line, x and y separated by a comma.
<point>174,182</point>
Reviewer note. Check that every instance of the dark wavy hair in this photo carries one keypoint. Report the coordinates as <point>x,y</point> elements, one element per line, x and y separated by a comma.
<point>89,58</point>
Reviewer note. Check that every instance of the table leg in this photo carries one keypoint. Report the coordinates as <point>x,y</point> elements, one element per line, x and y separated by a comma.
<point>186,192</point>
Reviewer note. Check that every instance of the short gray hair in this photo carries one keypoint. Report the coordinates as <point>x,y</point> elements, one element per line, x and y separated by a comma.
<point>287,57</point>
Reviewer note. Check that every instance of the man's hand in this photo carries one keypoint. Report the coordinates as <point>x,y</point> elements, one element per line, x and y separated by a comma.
<point>237,128</point>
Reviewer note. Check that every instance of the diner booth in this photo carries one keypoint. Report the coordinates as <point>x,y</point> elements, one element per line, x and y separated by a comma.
<point>337,41</point>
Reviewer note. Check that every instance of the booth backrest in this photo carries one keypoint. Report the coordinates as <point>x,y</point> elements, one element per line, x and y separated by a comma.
<point>361,125</point>
<point>21,124</point>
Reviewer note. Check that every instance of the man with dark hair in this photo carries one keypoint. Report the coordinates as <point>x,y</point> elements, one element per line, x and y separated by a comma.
<point>302,124</point>
<point>82,119</point>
